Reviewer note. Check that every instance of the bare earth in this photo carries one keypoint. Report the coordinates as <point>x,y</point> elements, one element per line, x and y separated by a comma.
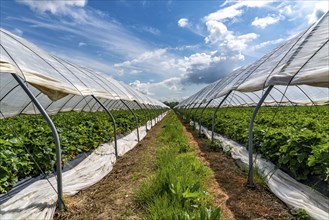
<point>112,197</point>
<point>243,202</point>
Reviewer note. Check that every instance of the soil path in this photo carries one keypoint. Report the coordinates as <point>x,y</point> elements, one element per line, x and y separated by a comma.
<point>245,203</point>
<point>112,197</point>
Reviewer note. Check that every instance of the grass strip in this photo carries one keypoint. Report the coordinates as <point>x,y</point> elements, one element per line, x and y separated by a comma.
<point>177,189</point>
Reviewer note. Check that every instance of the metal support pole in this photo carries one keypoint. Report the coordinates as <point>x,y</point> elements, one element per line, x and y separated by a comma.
<point>214,116</point>
<point>188,114</point>
<point>194,117</point>
<point>186,108</point>
<point>200,121</point>
<point>136,119</point>
<point>143,111</point>
<point>154,113</point>
<point>56,138</point>
<point>150,113</point>
<point>183,111</point>
<point>114,125</point>
<point>250,182</point>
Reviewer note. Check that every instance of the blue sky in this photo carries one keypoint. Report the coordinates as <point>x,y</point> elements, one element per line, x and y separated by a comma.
<point>166,49</point>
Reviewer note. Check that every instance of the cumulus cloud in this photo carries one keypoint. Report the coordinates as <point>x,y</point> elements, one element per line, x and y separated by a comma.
<point>266,21</point>
<point>203,68</point>
<point>319,9</point>
<point>309,10</point>
<point>148,55</point>
<point>146,62</point>
<point>218,33</point>
<point>183,22</point>
<point>141,87</point>
<point>172,84</point>
<point>205,74</point>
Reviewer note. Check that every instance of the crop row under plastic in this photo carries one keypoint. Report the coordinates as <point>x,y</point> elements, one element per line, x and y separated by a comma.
<point>27,136</point>
<point>294,138</point>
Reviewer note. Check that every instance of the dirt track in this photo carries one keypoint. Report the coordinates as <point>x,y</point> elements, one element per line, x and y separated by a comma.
<point>112,197</point>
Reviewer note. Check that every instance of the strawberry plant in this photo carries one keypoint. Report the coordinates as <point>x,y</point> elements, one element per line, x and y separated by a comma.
<point>295,138</point>
<point>26,135</point>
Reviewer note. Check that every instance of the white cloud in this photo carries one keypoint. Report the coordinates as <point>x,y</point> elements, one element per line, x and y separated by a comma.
<point>264,22</point>
<point>53,7</point>
<point>240,43</point>
<point>18,32</point>
<point>149,57</point>
<point>267,43</point>
<point>183,22</point>
<point>151,30</point>
<point>135,72</point>
<point>81,44</point>
<point>255,4</point>
<point>218,33</point>
<point>141,87</point>
<point>319,9</point>
<point>311,11</point>
<point>173,84</point>
<point>161,88</point>
<point>195,28</point>
<point>148,29</point>
<point>234,10</point>
<point>229,12</point>
<point>150,88</point>
<point>208,67</point>
<point>92,26</point>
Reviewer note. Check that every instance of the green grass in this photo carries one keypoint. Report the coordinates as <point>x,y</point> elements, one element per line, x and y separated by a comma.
<point>177,189</point>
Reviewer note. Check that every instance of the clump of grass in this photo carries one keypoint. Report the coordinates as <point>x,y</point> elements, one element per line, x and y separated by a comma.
<point>177,189</point>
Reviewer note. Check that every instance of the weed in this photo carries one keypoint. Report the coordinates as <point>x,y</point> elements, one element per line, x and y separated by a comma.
<point>216,145</point>
<point>302,215</point>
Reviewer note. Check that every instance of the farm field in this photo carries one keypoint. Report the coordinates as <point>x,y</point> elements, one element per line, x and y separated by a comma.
<point>26,135</point>
<point>164,110</point>
<point>120,194</point>
<point>294,138</point>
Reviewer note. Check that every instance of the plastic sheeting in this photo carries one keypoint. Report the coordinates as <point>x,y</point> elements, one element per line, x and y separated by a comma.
<point>54,81</point>
<point>38,201</point>
<point>291,192</point>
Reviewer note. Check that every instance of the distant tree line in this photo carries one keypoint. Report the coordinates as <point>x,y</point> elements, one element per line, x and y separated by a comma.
<point>171,104</point>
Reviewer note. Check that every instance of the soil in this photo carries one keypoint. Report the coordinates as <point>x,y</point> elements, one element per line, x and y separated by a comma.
<point>245,203</point>
<point>112,197</point>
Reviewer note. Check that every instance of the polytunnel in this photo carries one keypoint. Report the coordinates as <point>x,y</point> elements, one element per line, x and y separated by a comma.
<point>33,81</point>
<point>293,74</point>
